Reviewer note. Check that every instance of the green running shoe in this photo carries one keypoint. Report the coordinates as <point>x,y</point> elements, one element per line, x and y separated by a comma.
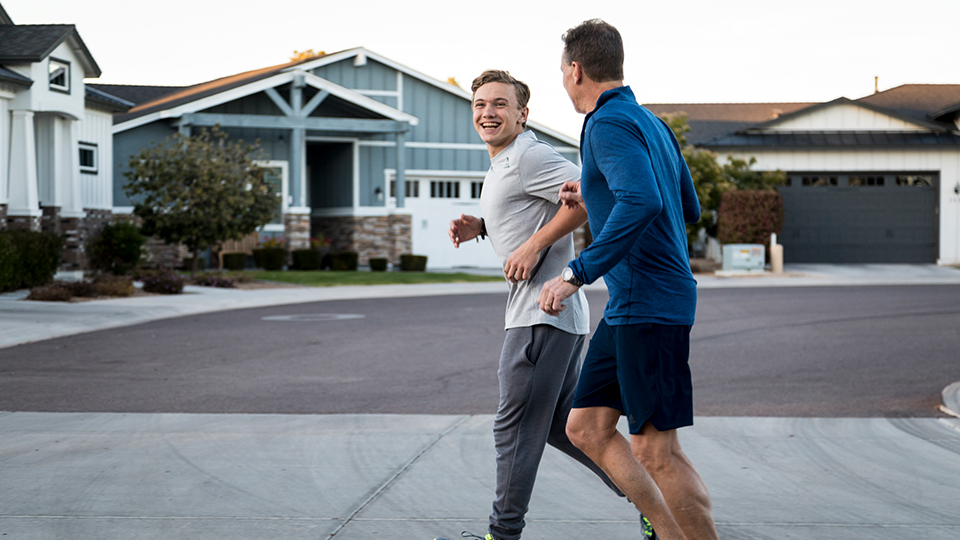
<point>647,529</point>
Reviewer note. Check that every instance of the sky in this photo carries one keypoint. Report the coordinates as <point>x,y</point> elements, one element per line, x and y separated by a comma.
<point>690,51</point>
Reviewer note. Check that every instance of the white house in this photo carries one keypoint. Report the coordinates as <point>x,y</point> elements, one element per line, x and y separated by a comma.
<point>872,180</point>
<point>55,135</point>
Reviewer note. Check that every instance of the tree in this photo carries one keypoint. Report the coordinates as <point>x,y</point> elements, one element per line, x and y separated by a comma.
<point>200,191</point>
<point>711,179</point>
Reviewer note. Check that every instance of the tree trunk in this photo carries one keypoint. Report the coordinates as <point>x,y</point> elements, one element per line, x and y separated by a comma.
<point>196,263</point>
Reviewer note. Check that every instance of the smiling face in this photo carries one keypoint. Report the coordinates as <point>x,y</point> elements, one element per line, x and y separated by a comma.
<point>496,115</point>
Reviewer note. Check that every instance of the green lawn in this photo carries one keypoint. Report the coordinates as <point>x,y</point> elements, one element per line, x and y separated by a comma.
<point>329,278</point>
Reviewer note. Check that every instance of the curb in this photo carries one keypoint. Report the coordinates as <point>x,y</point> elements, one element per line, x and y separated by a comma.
<point>951,400</point>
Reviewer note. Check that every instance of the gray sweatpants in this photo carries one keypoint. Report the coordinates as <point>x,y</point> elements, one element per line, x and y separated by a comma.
<point>539,367</point>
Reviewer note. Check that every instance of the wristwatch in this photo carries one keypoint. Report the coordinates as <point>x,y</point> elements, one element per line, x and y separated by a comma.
<point>571,278</point>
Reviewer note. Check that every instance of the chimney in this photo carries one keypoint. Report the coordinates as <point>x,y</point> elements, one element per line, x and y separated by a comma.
<point>876,85</point>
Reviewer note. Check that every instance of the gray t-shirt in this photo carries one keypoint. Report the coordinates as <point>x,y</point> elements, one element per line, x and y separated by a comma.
<point>521,194</point>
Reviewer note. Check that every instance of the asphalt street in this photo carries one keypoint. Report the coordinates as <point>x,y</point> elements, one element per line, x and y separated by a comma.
<point>792,352</point>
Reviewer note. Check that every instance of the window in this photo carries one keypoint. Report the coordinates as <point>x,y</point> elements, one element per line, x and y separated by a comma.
<point>475,189</point>
<point>88,158</point>
<point>915,181</point>
<point>819,181</point>
<point>866,181</point>
<point>412,191</point>
<point>444,189</point>
<point>59,75</point>
<point>273,177</point>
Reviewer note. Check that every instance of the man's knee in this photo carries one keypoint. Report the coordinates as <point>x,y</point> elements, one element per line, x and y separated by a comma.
<point>656,450</point>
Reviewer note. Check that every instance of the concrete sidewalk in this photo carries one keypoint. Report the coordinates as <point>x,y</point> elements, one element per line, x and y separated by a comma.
<point>357,477</point>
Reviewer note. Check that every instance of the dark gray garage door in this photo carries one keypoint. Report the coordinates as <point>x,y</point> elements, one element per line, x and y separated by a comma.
<point>860,218</point>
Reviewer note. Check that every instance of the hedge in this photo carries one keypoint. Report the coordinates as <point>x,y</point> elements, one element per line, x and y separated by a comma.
<point>116,249</point>
<point>346,261</point>
<point>306,259</point>
<point>413,263</point>
<point>749,217</point>
<point>28,259</point>
<point>378,265</point>
<point>272,258</point>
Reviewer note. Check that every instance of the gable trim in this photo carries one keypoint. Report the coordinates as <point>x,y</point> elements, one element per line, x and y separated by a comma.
<point>261,86</point>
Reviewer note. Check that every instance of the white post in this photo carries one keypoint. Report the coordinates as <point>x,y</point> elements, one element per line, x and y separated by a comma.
<point>24,198</point>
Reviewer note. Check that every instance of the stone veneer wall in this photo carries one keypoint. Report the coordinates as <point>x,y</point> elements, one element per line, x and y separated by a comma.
<point>159,253</point>
<point>296,229</point>
<point>50,220</point>
<point>3,217</point>
<point>23,223</point>
<point>370,236</point>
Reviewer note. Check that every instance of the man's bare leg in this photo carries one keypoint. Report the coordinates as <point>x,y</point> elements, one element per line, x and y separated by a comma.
<point>685,492</point>
<point>594,430</point>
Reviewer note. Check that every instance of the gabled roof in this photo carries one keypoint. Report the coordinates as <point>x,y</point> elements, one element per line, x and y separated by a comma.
<point>135,94</point>
<point>919,101</point>
<point>332,58</point>
<point>832,139</point>
<point>34,42</point>
<point>4,18</point>
<point>103,99</point>
<point>13,77</point>
<point>707,120</point>
<point>179,96</point>
<point>922,122</point>
<point>200,97</point>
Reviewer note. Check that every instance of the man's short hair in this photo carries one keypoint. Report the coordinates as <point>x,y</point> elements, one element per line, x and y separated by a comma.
<point>598,47</point>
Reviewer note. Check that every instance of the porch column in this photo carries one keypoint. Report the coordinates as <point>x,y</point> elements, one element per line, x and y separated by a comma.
<point>298,191</point>
<point>68,170</point>
<point>401,178</point>
<point>23,211</point>
<point>4,145</point>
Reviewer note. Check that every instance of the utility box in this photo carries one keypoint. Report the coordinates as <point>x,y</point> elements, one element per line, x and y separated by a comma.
<point>743,257</point>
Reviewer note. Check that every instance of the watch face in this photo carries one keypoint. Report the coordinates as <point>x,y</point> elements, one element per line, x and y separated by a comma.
<point>567,274</point>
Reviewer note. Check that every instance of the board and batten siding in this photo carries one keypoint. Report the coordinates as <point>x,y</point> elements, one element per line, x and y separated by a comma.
<point>946,162</point>
<point>4,148</point>
<point>96,189</point>
<point>845,117</point>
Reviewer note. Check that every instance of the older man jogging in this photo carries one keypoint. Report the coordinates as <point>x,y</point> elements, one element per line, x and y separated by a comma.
<point>638,193</point>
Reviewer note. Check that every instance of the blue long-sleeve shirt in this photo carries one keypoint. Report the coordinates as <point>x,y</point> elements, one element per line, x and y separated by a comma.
<point>639,194</point>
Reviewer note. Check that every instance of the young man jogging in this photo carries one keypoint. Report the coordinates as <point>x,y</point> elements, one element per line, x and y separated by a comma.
<point>639,194</point>
<point>530,232</point>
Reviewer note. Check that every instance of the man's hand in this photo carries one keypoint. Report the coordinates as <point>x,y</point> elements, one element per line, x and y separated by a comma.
<point>521,263</point>
<point>463,229</point>
<point>553,293</point>
<point>570,195</point>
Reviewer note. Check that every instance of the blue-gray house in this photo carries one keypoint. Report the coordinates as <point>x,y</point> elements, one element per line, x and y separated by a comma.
<point>339,130</point>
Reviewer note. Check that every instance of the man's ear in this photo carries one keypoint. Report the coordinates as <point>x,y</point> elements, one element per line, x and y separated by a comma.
<point>524,113</point>
<point>577,72</point>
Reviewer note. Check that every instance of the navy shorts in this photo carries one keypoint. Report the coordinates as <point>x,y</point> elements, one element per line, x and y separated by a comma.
<point>641,370</point>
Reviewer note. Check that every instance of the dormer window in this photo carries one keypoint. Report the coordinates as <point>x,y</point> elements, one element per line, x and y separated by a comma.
<point>59,75</point>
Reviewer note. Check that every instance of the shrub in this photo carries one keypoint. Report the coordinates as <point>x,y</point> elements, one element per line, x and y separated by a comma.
<point>348,260</point>
<point>213,279</point>
<point>236,260</point>
<point>163,282</point>
<point>413,263</point>
<point>116,249</point>
<point>82,289</point>
<point>54,292</point>
<point>306,259</point>
<point>749,217</point>
<point>9,261</point>
<point>378,265</point>
<point>187,264</point>
<point>107,285</point>
<point>30,259</point>
<point>270,258</point>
